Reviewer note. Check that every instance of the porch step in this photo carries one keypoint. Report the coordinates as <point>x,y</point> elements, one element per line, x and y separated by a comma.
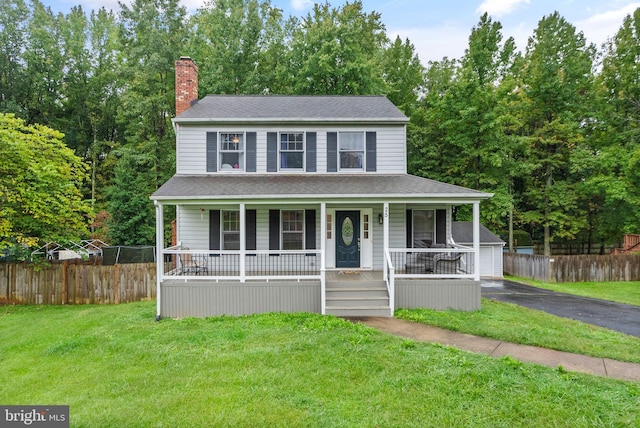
<point>359,311</point>
<point>357,298</point>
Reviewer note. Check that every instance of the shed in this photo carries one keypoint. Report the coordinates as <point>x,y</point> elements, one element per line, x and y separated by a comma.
<point>491,247</point>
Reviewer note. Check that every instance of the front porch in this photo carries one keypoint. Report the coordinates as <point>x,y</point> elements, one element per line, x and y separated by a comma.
<point>209,283</point>
<point>344,254</point>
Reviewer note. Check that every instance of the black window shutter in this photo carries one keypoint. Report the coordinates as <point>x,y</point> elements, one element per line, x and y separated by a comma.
<point>332,151</point>
<point>214,229</point>
<point>274,229</point>
<point>441,226</point>
<point>250,229</point>
<point>310,229</point>
<point>212,151</point>
<point>311,152</point>
<point>251,152</point>
<point>409,229</point>
<point>272,152</point>
<point>371,151</point>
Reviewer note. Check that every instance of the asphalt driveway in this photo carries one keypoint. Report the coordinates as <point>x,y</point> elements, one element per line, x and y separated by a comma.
<point>614,316</point>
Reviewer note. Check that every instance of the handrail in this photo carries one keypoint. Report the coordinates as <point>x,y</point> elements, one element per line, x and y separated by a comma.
<point>389,277</point>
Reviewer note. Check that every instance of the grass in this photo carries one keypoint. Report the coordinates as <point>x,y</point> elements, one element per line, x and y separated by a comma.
<point>517,324</point>
<point>117,367</point>
<point>619,291</point>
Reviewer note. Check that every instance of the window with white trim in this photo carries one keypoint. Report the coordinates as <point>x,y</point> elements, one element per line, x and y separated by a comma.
<point>230,230</point>
<point>351,151</point>
<point>292,229</point>
<point>292,150</point>
<point>231,151</point>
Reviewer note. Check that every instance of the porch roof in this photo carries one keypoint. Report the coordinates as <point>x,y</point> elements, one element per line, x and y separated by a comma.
<point>311,187</point>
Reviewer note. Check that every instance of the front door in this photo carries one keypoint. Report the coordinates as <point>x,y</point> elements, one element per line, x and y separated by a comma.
<point>347,239</point>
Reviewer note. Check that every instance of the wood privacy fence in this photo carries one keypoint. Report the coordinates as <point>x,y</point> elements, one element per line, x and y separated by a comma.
<point>70,283</point>
<point>584,268</point>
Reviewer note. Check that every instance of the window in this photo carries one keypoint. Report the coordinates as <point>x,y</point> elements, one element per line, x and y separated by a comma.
<point>293,230</point>
<point>231,151</point>
<point>292,150</point>
<point>230,230</point>
<point>423,228</point>
<point>351,150</point>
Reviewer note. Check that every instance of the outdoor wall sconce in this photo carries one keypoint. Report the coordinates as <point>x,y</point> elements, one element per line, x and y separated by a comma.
<point>380,219</point>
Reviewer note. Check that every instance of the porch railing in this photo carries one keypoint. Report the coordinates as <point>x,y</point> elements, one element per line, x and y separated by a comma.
<point>180,262</point>
<point>451,262</point>
<point>389,277</point>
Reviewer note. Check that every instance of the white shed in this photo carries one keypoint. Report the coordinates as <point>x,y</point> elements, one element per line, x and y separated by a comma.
<point>491,247</point>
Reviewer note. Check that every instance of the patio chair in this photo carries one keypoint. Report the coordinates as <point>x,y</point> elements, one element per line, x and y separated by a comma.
<point>191,264</point>
<point>447,263</point>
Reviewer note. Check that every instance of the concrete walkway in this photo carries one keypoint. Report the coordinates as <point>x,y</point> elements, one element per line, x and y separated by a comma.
<point>496,348</point>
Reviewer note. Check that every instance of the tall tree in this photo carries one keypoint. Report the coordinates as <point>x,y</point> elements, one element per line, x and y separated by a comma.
<point>403,74</point>
<point>337,51</point>
<point>13,16</point>
<point>151,37</point>
<point>44,66</point>
<point>229,42</point>
<point>129,203</point>
<point>40,199</point>
<point>556,83</point>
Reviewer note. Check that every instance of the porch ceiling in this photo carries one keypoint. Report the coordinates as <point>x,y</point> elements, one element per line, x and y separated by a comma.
<point>312,187</point>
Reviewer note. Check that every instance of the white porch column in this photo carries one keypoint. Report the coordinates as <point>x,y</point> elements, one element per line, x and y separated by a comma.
<point>323,244</point>
<point>243,243</point>
<point>159,253</point>
<point>385,236</point>
<point>476,241</point>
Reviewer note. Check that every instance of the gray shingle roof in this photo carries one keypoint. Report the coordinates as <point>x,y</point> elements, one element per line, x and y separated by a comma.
<point>283,108</point>
<point>462,232</point>
<point>290,186</point>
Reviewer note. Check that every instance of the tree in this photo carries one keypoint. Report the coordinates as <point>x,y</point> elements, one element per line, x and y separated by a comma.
<point>13,15</point>
<point>229,41</point>
<point>556,84</point>
<point>403,74</point>
<point>151,37</point>
<point>337,51</point>
<point>132,213</point>
<point>40,199</point>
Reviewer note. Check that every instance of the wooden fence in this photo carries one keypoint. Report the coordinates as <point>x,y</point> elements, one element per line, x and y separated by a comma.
<point>584,268</point>
<point>70,283</point>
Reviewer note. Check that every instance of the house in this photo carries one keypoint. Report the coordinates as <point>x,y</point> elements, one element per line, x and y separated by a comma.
<point>303,203</point>
<point>491,247</point>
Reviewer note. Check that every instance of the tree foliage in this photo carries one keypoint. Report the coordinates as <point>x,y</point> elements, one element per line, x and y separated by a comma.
<point>39,185</point>
<point>553,135</point>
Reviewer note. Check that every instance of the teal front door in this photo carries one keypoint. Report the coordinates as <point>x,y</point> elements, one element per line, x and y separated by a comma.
<point>347,239</point>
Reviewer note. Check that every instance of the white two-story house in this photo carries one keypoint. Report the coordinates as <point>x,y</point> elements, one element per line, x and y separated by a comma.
<point>303,203</point>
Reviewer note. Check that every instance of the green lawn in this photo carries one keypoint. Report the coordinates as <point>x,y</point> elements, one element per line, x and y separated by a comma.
<point>517,324</point>
<point>619,291</point>
<point>116,367</point>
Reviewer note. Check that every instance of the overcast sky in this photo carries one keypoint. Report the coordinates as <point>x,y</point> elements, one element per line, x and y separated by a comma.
<point>439,28</point>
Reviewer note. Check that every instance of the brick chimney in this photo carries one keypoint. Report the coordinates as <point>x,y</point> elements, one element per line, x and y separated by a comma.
<point>186,83</point>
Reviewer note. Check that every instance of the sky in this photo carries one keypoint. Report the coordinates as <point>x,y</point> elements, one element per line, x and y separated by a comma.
<point>439,28</point>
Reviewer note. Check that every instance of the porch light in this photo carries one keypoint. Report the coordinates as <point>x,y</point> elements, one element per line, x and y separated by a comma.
<point>380,219</point>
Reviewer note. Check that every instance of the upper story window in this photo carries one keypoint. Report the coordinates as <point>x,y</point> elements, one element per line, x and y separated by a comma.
<point>292,150</point>
<point>351,150</point>
<point>232,151</point>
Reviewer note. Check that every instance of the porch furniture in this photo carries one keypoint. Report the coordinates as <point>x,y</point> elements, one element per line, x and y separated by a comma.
<point>446,263</point>
<point>193,264</point>
<point>422,262</point>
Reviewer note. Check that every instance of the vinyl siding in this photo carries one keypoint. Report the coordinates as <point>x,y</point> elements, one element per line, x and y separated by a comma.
<point>191,146</point>
<point>193,228</point>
